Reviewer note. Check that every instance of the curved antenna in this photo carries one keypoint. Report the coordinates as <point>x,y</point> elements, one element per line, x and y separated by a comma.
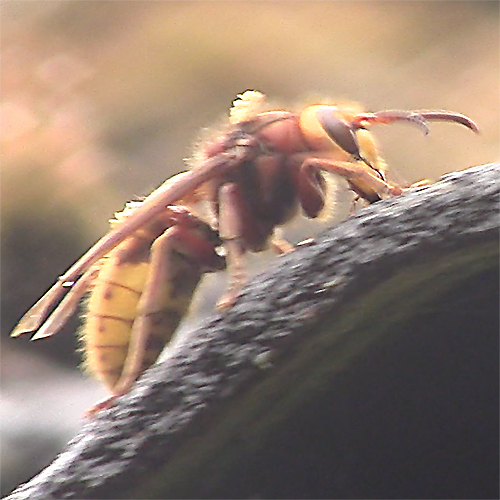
<point>418,118</point>
<point>449,116</point>
<point>390,116</point>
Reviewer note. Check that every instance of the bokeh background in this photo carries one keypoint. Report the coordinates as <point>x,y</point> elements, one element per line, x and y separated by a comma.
<point>101,102</point>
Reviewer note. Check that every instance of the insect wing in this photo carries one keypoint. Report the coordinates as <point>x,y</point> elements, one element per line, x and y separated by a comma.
<point>169,192</point>
<point>35,316</point>
<point>67,306</point>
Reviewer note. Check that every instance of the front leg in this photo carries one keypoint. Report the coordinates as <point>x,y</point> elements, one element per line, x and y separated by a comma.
<point>362,179</point>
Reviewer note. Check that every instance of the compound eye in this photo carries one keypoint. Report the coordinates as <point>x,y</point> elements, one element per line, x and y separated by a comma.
<point>339,131</point>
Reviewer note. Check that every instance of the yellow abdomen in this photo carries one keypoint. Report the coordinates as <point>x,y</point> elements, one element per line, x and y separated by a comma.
<point>112,309</point>
<point>115,304</point>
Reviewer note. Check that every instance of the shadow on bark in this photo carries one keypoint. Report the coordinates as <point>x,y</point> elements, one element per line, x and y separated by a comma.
<point>362,366</point>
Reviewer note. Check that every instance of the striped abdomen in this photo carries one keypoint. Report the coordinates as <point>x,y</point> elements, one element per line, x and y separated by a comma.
<point>113,304</point>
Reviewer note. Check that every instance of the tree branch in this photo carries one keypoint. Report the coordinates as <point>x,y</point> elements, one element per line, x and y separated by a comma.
<point>363,365</point>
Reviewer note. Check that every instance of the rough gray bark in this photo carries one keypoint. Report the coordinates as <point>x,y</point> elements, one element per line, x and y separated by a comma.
<point>363,365</point>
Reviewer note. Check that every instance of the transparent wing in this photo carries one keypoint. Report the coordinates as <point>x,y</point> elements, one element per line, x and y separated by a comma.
<point>169,192</point>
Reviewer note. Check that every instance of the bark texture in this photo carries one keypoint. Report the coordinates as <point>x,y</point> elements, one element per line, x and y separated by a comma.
<point>362,365</point>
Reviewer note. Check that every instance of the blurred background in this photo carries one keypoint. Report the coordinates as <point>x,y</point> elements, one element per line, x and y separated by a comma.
<point>102,101</point>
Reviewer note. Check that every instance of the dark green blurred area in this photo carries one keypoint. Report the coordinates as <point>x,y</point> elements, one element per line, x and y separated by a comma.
<point>101,102</point>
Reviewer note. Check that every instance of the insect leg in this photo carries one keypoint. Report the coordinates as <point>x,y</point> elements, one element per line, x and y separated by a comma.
<point>231,232</point>
<point>362,179</point>
<point>311,189</point>
<point>278,242</point>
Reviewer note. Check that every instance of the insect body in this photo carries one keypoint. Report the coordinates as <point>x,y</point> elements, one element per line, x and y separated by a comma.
<point>287,154</point>
<point>255,175</point>
<point>141,292</point>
